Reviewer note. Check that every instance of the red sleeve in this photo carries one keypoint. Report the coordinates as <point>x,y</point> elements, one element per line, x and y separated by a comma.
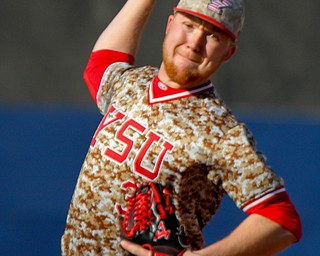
<point>98,63</point>
<point>280,209</point>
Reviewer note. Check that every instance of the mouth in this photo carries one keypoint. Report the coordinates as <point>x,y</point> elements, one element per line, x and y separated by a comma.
<point>190,56</point>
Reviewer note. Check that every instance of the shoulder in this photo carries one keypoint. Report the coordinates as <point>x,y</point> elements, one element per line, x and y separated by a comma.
<point>219,112</point>
<point>125,69</point>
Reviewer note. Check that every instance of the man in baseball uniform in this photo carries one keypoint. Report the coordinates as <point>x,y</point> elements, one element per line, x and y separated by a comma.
<point>165,129</point>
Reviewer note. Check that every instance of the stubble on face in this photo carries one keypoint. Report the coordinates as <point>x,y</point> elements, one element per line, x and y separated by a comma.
<point>180,77</point>
<point>184,65</point>
<point>187,77</point>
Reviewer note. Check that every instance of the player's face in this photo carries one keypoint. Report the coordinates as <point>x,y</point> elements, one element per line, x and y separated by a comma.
<point>192,51</point>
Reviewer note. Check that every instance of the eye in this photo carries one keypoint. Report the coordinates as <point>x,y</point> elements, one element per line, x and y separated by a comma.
<point>214,36</point>
<point>188,25</point>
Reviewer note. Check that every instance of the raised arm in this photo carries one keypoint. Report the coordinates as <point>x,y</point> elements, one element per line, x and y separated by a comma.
<point>124,32</point>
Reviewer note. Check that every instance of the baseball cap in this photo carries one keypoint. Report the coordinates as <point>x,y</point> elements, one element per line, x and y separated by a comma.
<point>228,15</point>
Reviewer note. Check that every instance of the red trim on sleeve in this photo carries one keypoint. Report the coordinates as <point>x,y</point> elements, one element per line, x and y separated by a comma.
<point>280,209</point>
<point>98,62</point>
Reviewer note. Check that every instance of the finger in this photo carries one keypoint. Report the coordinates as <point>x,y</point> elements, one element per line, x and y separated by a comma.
<point>135,249</point>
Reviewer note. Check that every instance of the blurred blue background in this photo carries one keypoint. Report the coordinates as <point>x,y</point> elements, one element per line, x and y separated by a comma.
<point>47,117</point>
<point>42,151</point>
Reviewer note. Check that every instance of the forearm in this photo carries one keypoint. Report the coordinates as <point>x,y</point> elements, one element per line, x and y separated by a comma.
<point>124,32</point>
<point>256,235</point>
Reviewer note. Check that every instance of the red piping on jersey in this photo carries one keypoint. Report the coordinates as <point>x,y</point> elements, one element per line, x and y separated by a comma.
<point>158,95</point>
<point>259,200</point>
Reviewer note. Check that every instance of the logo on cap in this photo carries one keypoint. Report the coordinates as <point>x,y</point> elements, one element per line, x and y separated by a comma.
<point>218,5</point>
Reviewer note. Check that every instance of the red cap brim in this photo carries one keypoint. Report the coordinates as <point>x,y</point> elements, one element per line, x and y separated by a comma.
<point>209,19</point>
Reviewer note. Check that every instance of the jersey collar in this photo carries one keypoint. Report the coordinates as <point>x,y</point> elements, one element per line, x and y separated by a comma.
<point>160,92</point>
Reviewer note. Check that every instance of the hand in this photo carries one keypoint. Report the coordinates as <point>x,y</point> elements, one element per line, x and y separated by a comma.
<point>135,249</point>
<point>138,250</point>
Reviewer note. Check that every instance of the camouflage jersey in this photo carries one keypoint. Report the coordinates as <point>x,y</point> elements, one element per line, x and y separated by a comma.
<point>188,141</point>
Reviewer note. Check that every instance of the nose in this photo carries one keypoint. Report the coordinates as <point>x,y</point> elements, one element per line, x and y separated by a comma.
<point>197,40</point>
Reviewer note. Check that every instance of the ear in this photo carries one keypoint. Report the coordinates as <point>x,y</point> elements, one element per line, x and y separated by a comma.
<point>170,19</point>
<point>230,53</point>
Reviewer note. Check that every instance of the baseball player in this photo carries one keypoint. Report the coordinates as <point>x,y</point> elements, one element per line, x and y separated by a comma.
<point>167,149</point>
